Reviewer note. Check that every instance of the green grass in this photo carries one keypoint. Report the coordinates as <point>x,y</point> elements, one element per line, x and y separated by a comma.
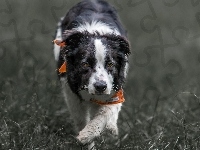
<point>162,105</point>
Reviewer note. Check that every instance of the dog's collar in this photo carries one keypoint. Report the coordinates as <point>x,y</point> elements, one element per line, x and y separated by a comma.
<point>59,43</point>
<point>63,68</point>
<point>117,98</point>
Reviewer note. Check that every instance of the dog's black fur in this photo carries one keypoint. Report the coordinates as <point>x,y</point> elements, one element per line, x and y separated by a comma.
<point>94,58</point>
<point>80,46</point>
<point>89,10</point>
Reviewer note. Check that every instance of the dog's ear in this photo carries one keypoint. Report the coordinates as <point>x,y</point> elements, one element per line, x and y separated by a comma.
<point>120,43</point>
<point>124,45</point>
<point>72,38</point>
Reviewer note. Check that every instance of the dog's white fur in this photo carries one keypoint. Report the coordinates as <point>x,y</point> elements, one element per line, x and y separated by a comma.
<point>89,118</point>
<point>96,26</point>
<point>101,73</point>
<point>58,37</point>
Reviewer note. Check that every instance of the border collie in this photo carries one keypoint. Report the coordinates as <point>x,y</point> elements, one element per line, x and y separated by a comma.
<point>91,49</point>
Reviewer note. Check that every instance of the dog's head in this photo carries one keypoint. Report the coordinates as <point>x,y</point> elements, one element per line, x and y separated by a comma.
<point>95,63</point>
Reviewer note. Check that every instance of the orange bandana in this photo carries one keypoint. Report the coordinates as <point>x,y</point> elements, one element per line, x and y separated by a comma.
<point>59,43</point>
<point>117,98</point>
<point>63,68</point>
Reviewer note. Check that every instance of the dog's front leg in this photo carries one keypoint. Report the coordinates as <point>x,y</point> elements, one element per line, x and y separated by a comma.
<point>105,117</point>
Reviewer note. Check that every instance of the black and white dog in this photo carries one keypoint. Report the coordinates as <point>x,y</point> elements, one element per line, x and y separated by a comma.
<point>92,50</point>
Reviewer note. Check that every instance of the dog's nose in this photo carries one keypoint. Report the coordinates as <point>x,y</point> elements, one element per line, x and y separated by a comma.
<point>100,86</point>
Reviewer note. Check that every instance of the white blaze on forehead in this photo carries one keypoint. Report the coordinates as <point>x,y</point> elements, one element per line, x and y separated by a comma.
<point>97,26</point>
<point>100,52</point>
<point>100,71</point>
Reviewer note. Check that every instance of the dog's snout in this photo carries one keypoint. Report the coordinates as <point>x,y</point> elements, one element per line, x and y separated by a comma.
<point>100,86</point>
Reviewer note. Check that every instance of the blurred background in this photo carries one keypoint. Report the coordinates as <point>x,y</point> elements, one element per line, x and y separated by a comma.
<point>162,105</point>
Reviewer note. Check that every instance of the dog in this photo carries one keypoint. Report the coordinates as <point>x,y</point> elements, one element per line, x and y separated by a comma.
<point>91,49</point>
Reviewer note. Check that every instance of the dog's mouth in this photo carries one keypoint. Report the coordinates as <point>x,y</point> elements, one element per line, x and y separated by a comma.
<point>95,95</point>
<point>114,97</point>
<point>102,95</point>
<point>99,93</point>
<point>95,92</point>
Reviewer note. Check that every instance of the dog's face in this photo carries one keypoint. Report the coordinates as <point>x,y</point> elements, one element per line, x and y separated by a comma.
<point>95,63</point>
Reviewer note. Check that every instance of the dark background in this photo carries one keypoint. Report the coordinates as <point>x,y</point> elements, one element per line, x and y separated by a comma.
<point>162,107</point>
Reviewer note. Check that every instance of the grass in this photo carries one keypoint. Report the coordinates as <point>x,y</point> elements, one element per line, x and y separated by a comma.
<point>42,122</point>
<point>162,105</point>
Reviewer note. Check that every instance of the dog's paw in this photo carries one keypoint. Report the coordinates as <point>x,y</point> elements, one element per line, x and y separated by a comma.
<point>82,139</point>
<point>85,138</point>
<point>82,144</point>
<point>89,133</point>
<point>74,140</point>
<point>113,130</point>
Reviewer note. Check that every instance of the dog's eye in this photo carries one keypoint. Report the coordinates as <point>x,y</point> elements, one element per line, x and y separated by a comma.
<point>85,64</point>
<point>110,64</point>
